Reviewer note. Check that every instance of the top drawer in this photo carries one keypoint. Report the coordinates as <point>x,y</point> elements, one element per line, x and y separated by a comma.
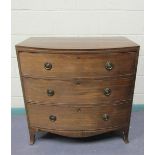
<point>77,65</point>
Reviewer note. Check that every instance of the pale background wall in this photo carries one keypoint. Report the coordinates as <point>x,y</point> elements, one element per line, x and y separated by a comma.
<point>76,18</point>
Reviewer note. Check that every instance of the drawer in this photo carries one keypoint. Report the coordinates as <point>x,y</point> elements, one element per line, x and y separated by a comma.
<point>77,65</point>
<point>78,90</point>
<point>78,118</point>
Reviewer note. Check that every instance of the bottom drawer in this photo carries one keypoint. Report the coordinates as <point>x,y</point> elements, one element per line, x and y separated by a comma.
<point>78,118</point>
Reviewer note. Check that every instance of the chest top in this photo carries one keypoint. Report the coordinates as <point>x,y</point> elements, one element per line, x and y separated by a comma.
<point>76,44</point>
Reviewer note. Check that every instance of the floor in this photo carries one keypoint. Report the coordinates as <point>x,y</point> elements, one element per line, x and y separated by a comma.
<point>105,144</point>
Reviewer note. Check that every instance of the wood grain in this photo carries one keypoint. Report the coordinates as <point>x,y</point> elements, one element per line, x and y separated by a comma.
<point>77,65</point>
<point>78,118</point>
<point>84,43</point>
<point>77,91</point>
<point>78,106</point>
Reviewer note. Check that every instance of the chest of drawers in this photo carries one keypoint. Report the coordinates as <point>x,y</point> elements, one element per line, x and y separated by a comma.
<point>78,87</point>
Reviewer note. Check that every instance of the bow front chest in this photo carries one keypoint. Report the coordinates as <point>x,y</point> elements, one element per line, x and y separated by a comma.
<point>78,87</point>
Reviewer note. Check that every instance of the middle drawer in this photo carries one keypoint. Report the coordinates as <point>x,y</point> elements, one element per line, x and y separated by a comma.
<point>80,91</point>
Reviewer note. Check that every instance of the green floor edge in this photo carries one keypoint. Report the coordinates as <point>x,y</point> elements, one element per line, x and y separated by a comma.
<point>21,111</point>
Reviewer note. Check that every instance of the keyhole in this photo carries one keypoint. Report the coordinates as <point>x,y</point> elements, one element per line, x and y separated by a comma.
<point>79,109</point>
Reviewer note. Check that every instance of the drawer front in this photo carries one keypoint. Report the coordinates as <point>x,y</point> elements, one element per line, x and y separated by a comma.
<point>77,91</point>
<point>77,65</point>
<point>78,118</point>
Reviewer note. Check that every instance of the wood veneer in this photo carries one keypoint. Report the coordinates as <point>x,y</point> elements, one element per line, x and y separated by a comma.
<point>78,87</point>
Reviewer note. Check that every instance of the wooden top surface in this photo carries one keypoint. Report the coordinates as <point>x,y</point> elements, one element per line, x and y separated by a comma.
<point>80,43</point>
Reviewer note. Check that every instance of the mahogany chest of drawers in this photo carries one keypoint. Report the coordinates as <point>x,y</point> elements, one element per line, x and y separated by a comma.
<point>78,87</point>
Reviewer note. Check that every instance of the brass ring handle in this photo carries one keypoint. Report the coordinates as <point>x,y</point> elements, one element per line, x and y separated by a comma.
<point>52,118</point>
<point>109,65</point>
<point>50,92</point>
<point>48,66</point>
<point>105,117</point>
<point>107,91</point>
